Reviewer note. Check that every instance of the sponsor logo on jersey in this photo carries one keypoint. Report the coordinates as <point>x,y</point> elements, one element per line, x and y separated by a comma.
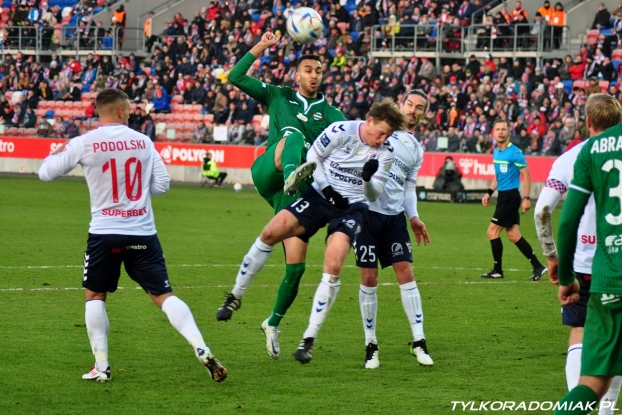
<point>324,140</point>
<point>301,117</point>
<point>503,168</point>
<point>613,243</point>
<point>318,116</point>
<point>397,249</point>
<point>588,239</point>
<point>137,247</point>
<point>402,166</point>
<point>397,179</point>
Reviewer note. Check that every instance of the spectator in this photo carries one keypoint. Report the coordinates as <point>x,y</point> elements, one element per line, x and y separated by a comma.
<point>72,130</point>
<point>200,134</point>
<point>602,18</point>
<point>161,101</point>
<point>29,120</point>
<point>45,129</point>
<point>148,128</point>
<point>546,11</point>
<point>59,127</point>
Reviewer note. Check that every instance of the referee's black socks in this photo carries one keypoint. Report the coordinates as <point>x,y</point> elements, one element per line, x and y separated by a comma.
<point>526,250</point>
<point>497,253</point>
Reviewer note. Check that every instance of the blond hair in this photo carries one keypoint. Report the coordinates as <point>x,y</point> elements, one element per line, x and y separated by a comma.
<point>604,111</point>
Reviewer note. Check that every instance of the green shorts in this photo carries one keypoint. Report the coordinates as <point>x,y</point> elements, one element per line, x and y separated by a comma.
<point>602,339</point>
<point>269,181</point>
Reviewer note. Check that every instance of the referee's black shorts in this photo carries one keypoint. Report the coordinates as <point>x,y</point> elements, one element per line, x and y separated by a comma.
<point>506,213</point>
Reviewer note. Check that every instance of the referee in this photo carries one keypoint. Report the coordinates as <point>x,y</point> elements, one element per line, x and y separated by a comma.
<point>509,165</point>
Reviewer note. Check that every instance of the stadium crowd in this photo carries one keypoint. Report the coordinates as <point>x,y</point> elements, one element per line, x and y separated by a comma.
<point>191,58</point>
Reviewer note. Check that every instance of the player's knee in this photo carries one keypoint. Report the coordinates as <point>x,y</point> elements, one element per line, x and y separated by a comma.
<point>369,277</point>
<point>514,236</point>
<point>270,235</point>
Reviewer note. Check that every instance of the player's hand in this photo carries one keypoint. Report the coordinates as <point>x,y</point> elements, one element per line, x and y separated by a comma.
<point>551,264</point>
<point>526,205</point>
<point>421,233</point>
<point>486,200</point>
<point>270,39</point>
<point>334,198</point>
<point>369,169</point>
<point>569,294</point>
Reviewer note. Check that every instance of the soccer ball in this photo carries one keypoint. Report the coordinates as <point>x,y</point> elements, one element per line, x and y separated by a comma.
<point>305,25</point>
<point>237,187</point>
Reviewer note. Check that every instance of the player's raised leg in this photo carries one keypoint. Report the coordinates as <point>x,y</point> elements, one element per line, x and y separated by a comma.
<point>284,225</point>
<point>337,248</point>
<point>290,155</point>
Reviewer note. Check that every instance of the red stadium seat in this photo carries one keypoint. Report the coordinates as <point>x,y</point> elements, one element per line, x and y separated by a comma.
<point>187,137</point>
<point>578,84</point>
<point>188,117</point>
<point>209,119</point>
<point>616,55</point>
<point>196,108</point>
<point>592,36</point>
<point>177,98</point>
<point>198,117</point>
<point>604,86</point>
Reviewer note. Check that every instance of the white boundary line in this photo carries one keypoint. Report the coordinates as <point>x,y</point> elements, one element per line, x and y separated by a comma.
<point>237,265</point>
<point>202,287</point>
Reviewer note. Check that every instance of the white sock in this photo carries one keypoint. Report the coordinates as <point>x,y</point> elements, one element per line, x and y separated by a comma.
<point>181,318</point>
<point>97,327</point>
<point>411,301</point>
<point>611,397</point>
<point>253,262</point>
<point>573,365</point>
<point>323,299</point>
<point>368,300</point>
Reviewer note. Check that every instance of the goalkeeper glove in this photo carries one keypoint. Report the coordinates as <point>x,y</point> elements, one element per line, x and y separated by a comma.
<point>369,169</point>
<point>334,198</point>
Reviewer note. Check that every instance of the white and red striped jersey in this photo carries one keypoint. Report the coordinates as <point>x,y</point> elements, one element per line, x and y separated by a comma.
<point>122,170</point>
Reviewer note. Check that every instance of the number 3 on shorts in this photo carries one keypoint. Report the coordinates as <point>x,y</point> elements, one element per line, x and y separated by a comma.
<point>302,206</point>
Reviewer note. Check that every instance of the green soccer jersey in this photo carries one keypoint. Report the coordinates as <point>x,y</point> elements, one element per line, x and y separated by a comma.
<point>598,170</point>
<point>288,109</point>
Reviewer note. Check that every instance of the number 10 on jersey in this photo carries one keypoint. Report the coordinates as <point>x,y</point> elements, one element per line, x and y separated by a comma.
<point>132,177</point>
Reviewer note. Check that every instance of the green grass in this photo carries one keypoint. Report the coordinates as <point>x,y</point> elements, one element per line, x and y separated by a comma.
<point>498,340</point>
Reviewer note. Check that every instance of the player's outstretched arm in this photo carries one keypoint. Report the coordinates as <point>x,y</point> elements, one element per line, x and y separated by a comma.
<point>61,161</point>
<point>258,90</point>
<point>547,201</point>
<point>160,181</point>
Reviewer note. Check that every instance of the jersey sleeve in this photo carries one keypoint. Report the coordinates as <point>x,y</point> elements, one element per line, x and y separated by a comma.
<point>335,115</point>
<point>582,180</point>
<point>256,89</point>
<point>519,159</point>
<point>160,181</point>
<point>58,165</point>
<point>410,187</point>
<point>328,140</point>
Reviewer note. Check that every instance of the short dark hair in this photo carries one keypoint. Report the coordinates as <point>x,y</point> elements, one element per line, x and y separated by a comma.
<point>305,57</point>
<point>388,112</point>
<point>416,92</point>
<point>500,120</point>
<point>110,96</point>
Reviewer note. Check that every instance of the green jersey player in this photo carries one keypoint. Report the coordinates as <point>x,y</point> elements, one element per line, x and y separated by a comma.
<point>296,119</point>
<point>597,171</point>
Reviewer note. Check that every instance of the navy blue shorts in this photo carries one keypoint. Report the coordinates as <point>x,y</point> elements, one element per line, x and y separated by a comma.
<point>574,314</point>
<point>141,255</point>
<point>314,212</point>
<point>384,239</point>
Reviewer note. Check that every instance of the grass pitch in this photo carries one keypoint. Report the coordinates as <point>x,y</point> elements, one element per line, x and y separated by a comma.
<point>490,340</point>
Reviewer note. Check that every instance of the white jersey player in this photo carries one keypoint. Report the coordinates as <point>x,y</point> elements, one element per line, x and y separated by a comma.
<point>352,166</point>
<point>122,170</point>
<point>573,315</point>
<point>385,239</point>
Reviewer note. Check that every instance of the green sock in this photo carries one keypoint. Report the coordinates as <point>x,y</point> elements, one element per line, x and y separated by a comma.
<point>287,292</point>
<point>579,401</point>
<point>292,154</point>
